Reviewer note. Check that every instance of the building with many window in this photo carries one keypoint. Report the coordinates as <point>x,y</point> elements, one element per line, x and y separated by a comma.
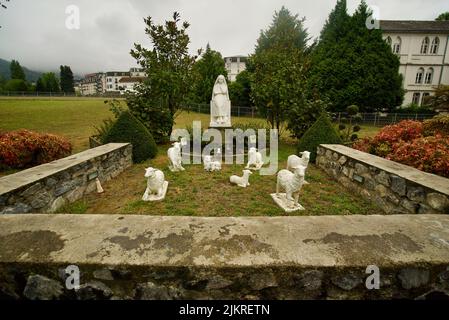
<point>110,82</point>
<point>422,47</point>
<point>234,65</point>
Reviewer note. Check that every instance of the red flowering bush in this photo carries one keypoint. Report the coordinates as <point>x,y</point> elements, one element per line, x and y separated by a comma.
<point>430,154</point>
<point>24,148</point>
<point>404,143</point>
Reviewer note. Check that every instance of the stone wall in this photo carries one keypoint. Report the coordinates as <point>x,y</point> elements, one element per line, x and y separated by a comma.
<point>48,187</point>
<point>396,188</point>
<point>148,257</point>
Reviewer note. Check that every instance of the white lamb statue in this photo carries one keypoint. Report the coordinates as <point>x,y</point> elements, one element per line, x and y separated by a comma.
<point>156,185</point>
<point>210,165</point>
<point>291,183</point>
<point>241,181</point>
<point>294,161</point>
<point>254,159</point>
<point>174,158</point>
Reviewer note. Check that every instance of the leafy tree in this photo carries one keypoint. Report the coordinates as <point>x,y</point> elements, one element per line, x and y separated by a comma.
<point>66,76</point>
<point>168,65</point>
<point>443,17</point>
<point>48,83</point>
<point>206,71</point>
<point>279,67</point>
<point>17,70</point>
<point>240,89</point>
<point>439,101</point>
<point>354,65</point>
<point>16,85</point>
<point>303,116</point>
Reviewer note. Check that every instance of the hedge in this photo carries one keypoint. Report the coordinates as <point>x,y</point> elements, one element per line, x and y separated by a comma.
<point>128,129</point>
<point>322,131</point>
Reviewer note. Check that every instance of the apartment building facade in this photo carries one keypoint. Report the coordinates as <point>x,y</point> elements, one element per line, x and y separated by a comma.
<point>422,47</point>
<point>234,65</point>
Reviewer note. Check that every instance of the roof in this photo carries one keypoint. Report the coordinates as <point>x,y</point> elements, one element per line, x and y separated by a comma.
<point>414,26</point>
<point>131,79</point>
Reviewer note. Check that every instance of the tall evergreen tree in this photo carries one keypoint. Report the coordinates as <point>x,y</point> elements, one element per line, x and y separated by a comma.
<point>354,65</point>
<point>206,70</point>
<point>17,71</point>
<point>48,83</point>
<point>66,76</point>
<point>278,68</point>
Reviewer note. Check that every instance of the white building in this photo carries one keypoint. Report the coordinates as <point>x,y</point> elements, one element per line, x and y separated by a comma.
<point>127,84</point>
<point>234,65</point>
<point>92,84</point>
<point>422,47</point>
<point>113,79</point>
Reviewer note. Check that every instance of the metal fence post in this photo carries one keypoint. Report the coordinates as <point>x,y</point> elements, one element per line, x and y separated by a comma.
<point>375,116</point>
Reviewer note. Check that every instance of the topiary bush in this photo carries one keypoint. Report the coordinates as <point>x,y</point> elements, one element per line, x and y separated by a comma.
<point>437,125</point>
<point>23,148</point>
<point>322,131</point>
<point>128,129</point>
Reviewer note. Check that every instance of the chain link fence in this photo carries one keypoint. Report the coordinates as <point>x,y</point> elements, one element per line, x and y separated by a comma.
<point>381,119</point>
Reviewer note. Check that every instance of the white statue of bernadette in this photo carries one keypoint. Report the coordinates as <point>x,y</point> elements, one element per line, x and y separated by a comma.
<point>220,105</point>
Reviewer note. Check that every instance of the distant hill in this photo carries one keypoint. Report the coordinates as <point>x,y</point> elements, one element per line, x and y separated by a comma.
<point>30,75</point>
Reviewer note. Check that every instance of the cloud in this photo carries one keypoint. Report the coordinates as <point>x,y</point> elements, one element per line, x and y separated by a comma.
<point>34,32</point>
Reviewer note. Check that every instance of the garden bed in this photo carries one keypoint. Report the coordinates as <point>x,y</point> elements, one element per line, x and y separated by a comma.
<point>199,193</point>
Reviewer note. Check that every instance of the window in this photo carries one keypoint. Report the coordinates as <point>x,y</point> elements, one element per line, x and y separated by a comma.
<point>425,45</point>
<point>424,98</point>
<point>416,96</point>
<point>435,45</point>
<point>397,45</point>
<point>419,76</point>
<point>429,76</point>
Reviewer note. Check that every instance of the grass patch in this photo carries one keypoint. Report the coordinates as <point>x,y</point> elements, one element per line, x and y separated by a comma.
<point>195,192</point>
<point>77,207</point>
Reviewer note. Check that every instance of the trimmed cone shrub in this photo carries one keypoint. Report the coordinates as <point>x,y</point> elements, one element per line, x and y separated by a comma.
<point>128,129</point>
<point>322,131</point>
<point>23,148</point>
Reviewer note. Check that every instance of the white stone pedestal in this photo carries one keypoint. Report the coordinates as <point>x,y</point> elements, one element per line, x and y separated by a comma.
<point>285,204</point>
<point>155,197</point>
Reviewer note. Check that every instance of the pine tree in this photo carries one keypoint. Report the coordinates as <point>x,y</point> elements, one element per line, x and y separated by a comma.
<point>206,70</point>
<point>353,64</point>
<point>17,71</point>
<point>66,76</point>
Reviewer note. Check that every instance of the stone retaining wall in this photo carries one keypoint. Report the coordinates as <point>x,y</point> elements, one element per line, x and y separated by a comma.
<point>148,257</point>
<point>48,187</point>
<point>396,188</point>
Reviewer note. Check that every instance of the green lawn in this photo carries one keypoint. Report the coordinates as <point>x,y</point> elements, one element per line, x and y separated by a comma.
<point>200,193</point>
<point>193,192</point>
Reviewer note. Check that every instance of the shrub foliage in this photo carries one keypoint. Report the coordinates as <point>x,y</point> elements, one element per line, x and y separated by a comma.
<point>322,131</point>
<point>23,148</point>
<point>407,143</point>
<point>128,129</point>
<point>438,124</point>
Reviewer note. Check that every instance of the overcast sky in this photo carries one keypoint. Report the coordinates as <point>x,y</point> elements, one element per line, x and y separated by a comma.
<point>34,32</point>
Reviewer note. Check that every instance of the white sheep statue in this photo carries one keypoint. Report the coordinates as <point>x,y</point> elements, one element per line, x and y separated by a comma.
<point>156,185</point>
<point>294,160</point>
<point>210,165</point>
<point>174,158</point>
<point>241,181</point>
<point>254,159</point>
<point>291,183</point>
